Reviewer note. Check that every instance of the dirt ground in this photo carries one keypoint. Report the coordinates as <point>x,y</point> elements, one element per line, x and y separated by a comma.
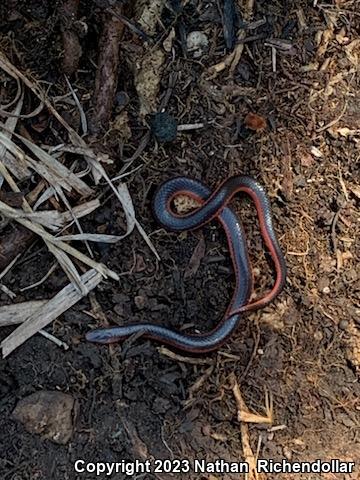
<point>137,401</point>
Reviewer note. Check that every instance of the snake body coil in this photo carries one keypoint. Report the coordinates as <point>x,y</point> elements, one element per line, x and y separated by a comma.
<point>213,206</point>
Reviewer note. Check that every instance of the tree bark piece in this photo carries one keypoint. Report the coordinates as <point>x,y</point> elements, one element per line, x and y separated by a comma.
<point>72,47</point>
<point>108,68</point>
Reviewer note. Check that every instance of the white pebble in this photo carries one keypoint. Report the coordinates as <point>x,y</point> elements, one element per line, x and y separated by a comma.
<point>197,42</point>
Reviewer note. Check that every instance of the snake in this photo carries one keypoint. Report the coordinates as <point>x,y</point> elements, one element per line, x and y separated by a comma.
<point>213,206</point>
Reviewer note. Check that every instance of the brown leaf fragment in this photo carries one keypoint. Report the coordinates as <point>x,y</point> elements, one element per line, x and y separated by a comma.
<point>196,257</point>
<point>255,122</point>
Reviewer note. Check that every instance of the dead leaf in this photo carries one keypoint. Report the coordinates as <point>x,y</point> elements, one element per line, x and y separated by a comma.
<point>255,122</point>
<point>196,257</point>
<point>121,125</point>
<point>168,42</point>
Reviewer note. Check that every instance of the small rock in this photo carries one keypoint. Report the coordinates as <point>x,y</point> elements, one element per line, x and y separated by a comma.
<point>164,127</point>
<point>318,336</point>
<point>49,414</point>
<point>161,405</point>
<point>140,301</point>
<point>323,284</point>
<point>316,152</point>
<point>197,42</point>
<point>121,99</point>
<point>343,324</point>
<point>300,181</point>
<point>244,71</point>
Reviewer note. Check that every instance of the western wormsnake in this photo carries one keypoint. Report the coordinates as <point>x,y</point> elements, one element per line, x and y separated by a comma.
<point>213,206</point>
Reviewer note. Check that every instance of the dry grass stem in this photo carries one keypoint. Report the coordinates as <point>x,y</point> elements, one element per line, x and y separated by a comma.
<point>49,311</point>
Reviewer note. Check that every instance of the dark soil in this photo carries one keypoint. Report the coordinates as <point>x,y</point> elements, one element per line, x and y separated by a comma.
<point>304,349</point>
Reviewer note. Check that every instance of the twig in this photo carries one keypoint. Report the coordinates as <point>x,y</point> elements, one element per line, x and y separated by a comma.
<point>14,244</point>
<point>11,264</point>
<point>273,59</point>
<point>250,458</point>
<point>7,291</point>
<point>181,358</point>
<point>253,354</point>
<point>190,126</point>
<point>335,121</point>
<point>54,339</point>
<point>252,38</point>
<point>130,25</point>
<point>197,385</point>
<point>233,58</point>
<point>42,280</point>
<point>333,229</point>
<point>4,288</point>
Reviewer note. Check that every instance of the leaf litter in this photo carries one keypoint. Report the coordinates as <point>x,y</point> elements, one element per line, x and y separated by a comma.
<point>19,158</point>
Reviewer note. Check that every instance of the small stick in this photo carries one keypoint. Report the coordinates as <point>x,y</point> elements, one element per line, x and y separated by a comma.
<point>55,340</point>
<point>131,26</point>
<point>180,358</point>
<point>6,270</point>
<point>190,126</point>
<point>50,239</point>
<point>233,58</point>
<point>7,291</point>
<point>42,280</point>
<point>250,458</point>
<point>273,58</point>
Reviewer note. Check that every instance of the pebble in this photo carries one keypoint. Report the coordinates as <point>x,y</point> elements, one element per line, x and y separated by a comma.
<point>47,413</point>
<point>343,324</point>
<point>121,99</point>
<point>140,301</point>
<point>164,127</point>
<point>318,336</point>
<point>197,43</point>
